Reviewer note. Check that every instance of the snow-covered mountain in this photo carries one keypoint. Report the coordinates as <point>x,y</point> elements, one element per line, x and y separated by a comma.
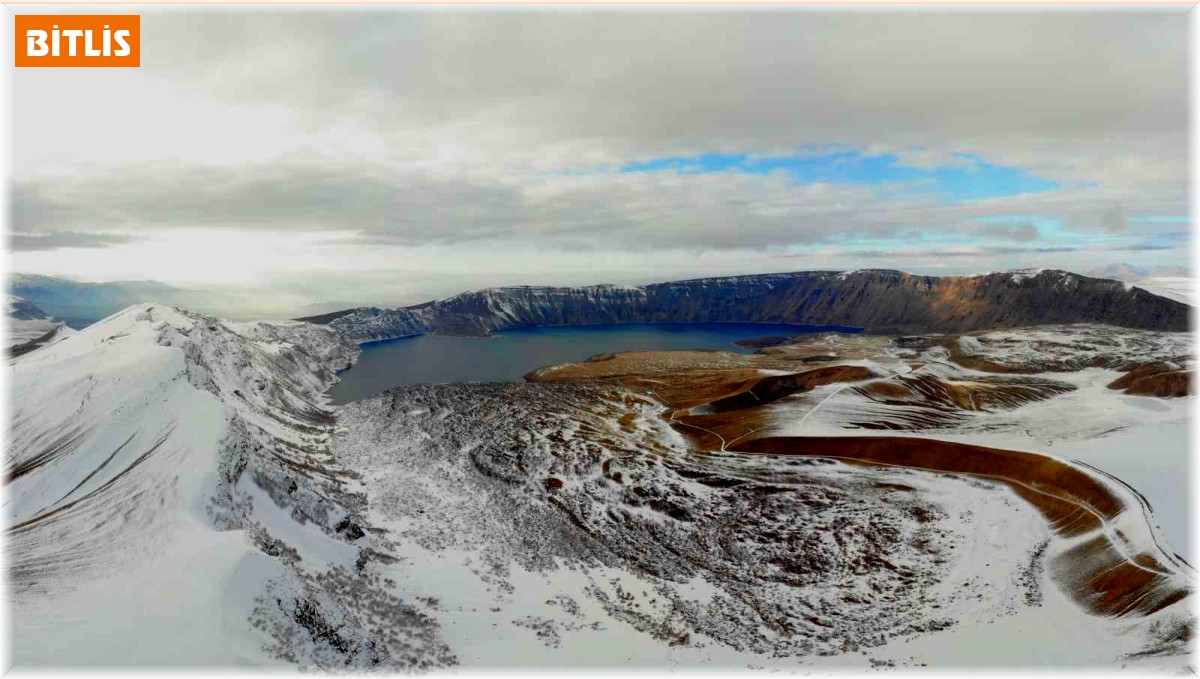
<point>1131,273</point>
<point>180,494</point>
<point>28,327</point>
<point>877,300</point>
<point>370,324</point>
<point>173,500</point>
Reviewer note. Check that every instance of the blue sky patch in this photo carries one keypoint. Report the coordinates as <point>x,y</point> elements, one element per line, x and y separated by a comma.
<point>972,179</point>
<point>1160,219</point>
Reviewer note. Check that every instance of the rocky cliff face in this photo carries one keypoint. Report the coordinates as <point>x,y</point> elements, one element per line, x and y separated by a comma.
<point>369,324</point>
<point>877,300</point>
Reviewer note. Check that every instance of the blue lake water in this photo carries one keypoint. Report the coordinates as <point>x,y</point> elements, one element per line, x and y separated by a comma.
<point>509,355</point>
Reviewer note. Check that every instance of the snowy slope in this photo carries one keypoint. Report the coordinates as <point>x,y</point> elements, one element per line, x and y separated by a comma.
<point>568,525</point>
<point>166,471</point>
<point>28,327</point>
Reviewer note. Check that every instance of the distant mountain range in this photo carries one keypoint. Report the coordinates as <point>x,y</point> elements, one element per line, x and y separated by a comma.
<point>880,301</point>
<point>29,327</point>
<point>1131,273</point>
<point>81,304</point>
<point>1172,282</point>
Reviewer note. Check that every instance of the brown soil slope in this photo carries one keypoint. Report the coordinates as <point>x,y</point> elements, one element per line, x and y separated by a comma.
<point>1155,379</point>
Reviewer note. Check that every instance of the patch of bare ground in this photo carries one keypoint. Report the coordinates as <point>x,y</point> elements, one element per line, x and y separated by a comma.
<point>679,379</point>
<point>989,366</point>
<point>714,403</point>
<point>774,387</point>
<point>821,348</point>
<point>1155,379</point>
<point>1102,577</point>
<point>725,421</point>
<point>927,401</point>
<point>719,430</point>
<point>35,343</point>
<point>719,381</point>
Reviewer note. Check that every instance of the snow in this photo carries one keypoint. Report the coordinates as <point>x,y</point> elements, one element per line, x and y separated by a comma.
<point>124,393</point>
<point>21,332</point>
<point>27,323</point>
<point>182,497</point>
<point>186,604</point>
<point>1136,446</point>
<point>1004,630</point>
<point>500,584</point>
<point>1019,275</point>
<point>1138,439</point>
<point>1178,288</point>
<point>154,460</point>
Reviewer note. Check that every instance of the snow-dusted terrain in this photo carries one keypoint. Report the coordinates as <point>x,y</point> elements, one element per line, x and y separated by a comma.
<point>1051,390</point>
<point>172,500</point>
<point>555,518</point>
<point>1143,441</point>
<point>180,494</point>
<point>28,327</point>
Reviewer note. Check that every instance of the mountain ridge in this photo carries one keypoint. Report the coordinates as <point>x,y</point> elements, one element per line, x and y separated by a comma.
<point>160,442</point>
<point>80,303</point>
<point>877,300</point>
<point>1132,273</point>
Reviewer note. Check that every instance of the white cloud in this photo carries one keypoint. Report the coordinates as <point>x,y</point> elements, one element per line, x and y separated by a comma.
<point>361,138</point>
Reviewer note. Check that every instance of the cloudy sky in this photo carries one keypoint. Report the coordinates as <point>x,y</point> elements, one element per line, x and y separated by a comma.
<point>393,155</point>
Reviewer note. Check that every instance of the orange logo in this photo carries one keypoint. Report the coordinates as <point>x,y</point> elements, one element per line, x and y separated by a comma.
<point>78,40</point>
